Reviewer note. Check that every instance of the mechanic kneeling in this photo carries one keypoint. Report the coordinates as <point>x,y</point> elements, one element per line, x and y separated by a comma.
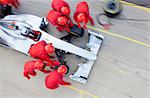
<point>64,23</point>
<point>60,21</point>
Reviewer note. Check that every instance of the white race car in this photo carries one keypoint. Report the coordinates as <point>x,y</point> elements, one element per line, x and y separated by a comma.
<point>21,31</point>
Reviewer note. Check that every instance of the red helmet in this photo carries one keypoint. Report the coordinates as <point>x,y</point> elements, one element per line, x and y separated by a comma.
<point>81,17</point>
<point>62,69</point>
<point>65,10</point>
<point>62,20</point>
<point>39,65</point>
<point>4,2</point>
<point>49,48</point>
<point>55,63</point>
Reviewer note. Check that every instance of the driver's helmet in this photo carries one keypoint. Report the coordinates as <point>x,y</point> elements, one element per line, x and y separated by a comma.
<point>25,31</point>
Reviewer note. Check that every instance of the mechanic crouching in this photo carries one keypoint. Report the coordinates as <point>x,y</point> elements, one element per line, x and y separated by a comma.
<point>43,51</point>
<point>82,14</point>
<point>55,78</point>
<point>31,66</point>
<point>60,21</point>
<point>61,6</point>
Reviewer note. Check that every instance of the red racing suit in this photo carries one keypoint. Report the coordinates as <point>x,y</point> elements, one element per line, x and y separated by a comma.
<point>58,4</point>
<point>38,51</point>
<point>31,66</point>
<point>54,79</point>
<point>83,8</point>
<point>14,3</point>
<point>52,18</point>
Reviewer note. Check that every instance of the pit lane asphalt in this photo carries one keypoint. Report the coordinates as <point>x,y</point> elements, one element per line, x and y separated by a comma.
<point>121,70</point>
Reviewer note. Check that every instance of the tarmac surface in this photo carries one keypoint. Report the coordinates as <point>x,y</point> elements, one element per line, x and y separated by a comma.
<point>145,3</point>
<point>122,69</point>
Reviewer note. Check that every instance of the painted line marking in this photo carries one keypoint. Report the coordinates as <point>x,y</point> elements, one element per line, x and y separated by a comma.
<point>120,36</point>
<point>136,6</point>
<point>81,95</point>
<point>82,92</point>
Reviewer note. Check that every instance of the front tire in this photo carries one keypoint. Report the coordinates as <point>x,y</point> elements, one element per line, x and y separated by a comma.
<point>79,32</point>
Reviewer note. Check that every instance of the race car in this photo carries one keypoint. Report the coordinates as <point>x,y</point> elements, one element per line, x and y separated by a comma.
<point>21,31</point>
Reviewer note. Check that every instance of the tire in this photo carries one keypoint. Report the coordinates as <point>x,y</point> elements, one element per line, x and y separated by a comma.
<point>77,31</point>
<point>112,8</point>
